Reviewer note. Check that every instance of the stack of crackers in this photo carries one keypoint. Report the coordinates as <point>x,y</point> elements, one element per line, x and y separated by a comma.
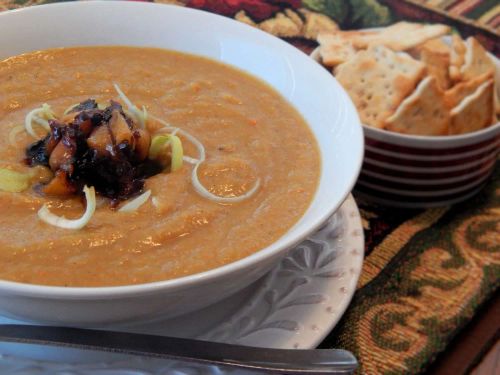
<point>405,78</point>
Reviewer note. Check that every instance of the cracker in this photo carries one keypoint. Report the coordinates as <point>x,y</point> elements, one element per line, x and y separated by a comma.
<point>281,26</point>
<point>294,17</point>
<point>457,57</point>
<point>378,80</point>
<point>423,112</point>
<point>476,61</point>
<point>358,34</point>
<point>437,64</point>
<point>243,17</point>
<point>475,112</point>
<point>436,46</point>
<point>400,36</point>
<point>317,23</point>
<point>334,49</point>
<point>461,90</point>
<point>406,35</point>
<point>355,37</point>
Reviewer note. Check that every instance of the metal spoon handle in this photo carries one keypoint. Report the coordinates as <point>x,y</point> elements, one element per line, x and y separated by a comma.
<point>281,361</point>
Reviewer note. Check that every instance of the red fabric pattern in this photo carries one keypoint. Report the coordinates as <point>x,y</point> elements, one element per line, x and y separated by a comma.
<point>259,10</point>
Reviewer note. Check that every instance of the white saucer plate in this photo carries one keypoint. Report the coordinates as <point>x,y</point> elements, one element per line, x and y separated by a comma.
<point>295,306</point>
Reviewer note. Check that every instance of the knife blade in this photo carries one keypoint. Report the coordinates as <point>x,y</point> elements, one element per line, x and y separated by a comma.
<point>274,361</point>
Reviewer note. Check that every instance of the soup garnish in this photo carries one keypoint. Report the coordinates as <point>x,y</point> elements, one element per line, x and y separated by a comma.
<point>108,148</point>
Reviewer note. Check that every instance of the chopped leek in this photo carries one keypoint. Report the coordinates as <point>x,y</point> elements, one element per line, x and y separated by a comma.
<point>60,221</point>
<point>47,111</point>
<point>185,134</point>
<point>14,182</point>
<point>144,114</point>
<point>134,204</point>
<point>154,200</point>
<point>140,116</point>
<point>39,116</point>
<point>190,160</point>
<point>14,132</point>
<point>160,141</point>
<point>200,189</point>
<point>157,144</point>
<point>70,108</point>
<point>177,153</point>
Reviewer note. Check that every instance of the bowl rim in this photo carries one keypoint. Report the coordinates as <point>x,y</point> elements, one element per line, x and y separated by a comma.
<point>433,141</point>
<point>102,292</point>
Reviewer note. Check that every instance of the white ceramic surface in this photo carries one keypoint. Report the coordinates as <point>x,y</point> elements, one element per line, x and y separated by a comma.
<point>319,98</point>
<point>426,171</point>
<point>295,306</point>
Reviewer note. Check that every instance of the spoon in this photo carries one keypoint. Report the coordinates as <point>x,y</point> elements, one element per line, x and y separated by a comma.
<point>271,361</point>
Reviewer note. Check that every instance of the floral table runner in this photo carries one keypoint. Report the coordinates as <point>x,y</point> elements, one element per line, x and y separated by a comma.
<point>426,272</point>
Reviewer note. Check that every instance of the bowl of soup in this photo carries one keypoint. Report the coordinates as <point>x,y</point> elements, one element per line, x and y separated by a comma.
<point>260,146</point>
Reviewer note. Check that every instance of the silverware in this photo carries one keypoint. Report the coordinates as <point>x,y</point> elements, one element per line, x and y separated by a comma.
<point>274,361</point>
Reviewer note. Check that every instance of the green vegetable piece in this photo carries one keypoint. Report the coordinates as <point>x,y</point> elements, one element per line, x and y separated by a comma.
<point>159,142</point>
<point>336,9</point>
<point>13,182</point>
<point>369,13</point>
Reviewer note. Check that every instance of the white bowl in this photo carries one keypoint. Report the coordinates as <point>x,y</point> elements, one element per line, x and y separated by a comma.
<point>413,171</point>
<point>299,79</point>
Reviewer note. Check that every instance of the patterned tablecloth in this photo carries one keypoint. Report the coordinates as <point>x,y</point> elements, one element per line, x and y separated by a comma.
<point>427,272</point>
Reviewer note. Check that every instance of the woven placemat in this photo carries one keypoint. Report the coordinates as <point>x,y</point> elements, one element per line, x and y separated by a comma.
<point>426,272</point>
<point>425,275</point>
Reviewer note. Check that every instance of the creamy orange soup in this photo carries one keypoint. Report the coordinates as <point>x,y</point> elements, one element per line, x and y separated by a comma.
<point>249,132</point>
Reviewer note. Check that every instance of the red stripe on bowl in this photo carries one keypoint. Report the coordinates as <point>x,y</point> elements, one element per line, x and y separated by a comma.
<point>463,168</point>
<point>434,179</point>
<point>490,147</point>
<point>428,151</point>
<point>417,193</point>
<point>426,174</point>
<point>415,202</point>
<point>459,161</point>
<point>416,189</point>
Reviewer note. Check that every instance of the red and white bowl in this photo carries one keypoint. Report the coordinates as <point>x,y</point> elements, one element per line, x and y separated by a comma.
<point>417,171</point>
